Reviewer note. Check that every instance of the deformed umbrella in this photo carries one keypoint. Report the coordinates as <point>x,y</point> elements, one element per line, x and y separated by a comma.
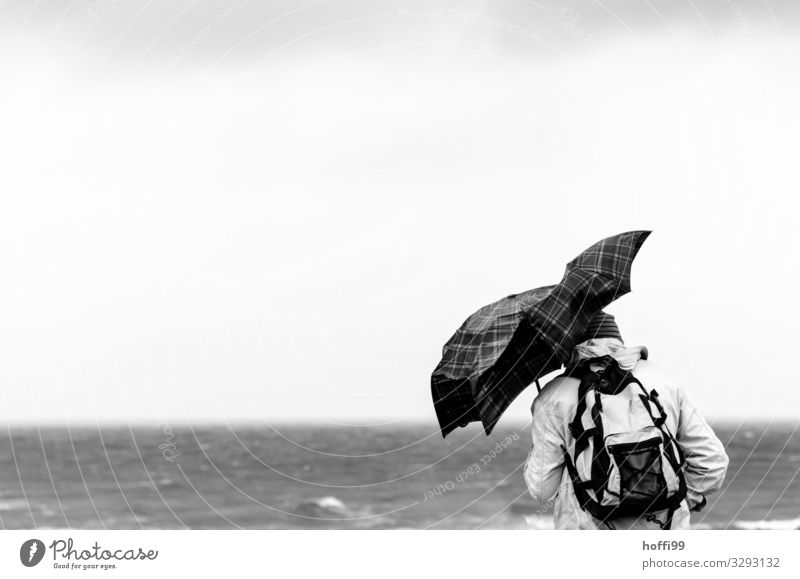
<point>505,346</point>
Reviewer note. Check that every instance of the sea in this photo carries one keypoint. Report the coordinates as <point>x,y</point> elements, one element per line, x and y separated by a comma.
<point>389,476</point>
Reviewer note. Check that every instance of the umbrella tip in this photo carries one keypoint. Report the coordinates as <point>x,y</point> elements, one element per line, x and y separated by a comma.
<point>640,236</point>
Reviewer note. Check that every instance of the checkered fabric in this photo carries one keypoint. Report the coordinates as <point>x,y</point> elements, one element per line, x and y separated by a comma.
<point>504,347</point>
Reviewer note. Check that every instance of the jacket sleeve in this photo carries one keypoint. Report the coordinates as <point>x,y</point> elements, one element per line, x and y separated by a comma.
<point>706,460</point>
<point>545,463</point>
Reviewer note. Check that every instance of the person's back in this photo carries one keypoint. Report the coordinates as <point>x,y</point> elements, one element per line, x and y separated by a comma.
<point>555,408</point>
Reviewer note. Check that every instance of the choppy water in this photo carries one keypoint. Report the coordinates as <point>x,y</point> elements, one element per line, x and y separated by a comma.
<point>331,477</point>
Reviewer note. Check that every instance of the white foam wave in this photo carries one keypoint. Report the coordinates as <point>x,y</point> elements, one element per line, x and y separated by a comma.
<point>769,524</point>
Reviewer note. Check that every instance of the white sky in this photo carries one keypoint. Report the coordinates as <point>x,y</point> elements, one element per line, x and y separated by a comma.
<point>215,217</point>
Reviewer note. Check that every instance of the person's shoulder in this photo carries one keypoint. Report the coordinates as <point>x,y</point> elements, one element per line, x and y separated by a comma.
<point>557,398</point>
<point>559,389</point>
<point>651,375</point>
<point>645,366</point>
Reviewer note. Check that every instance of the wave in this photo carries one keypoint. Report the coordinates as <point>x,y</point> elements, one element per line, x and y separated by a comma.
<point>14,505</point>
<point>769,524</point>
<point>323,508</point>
<point>539,522</point>
<point>330,511</point>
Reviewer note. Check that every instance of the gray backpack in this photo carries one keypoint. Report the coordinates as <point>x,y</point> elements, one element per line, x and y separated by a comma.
<point>622,458</point>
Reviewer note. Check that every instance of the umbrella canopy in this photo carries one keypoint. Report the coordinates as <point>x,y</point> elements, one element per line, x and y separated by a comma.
<point>505,346</point>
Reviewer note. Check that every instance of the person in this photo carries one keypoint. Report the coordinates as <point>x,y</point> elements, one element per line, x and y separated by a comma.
<point>547,473</point>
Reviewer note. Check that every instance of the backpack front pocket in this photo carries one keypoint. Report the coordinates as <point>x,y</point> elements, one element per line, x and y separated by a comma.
<point>641,474</point>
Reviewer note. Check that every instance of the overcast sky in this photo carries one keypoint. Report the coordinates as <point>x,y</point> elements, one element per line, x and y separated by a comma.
<point>281,211</point>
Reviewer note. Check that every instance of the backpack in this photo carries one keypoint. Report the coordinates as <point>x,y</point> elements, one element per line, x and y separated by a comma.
<point>622,459</point>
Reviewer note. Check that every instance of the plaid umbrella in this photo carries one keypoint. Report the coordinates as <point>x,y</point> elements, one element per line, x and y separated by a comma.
<point>505,346</point>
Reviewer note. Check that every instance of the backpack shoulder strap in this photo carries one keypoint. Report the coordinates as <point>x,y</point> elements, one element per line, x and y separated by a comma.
<point>576,428</point>
<point>674,453</point>
<point>600,459</point>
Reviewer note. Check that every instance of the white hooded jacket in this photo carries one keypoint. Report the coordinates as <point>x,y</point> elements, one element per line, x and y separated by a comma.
<point>546,475</point>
